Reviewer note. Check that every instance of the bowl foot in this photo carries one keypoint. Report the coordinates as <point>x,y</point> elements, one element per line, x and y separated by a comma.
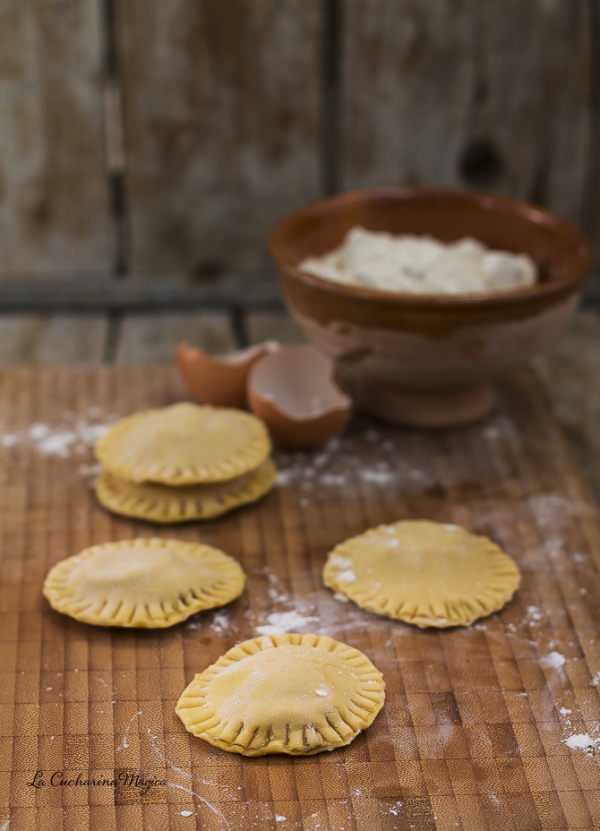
<point>412,408</point>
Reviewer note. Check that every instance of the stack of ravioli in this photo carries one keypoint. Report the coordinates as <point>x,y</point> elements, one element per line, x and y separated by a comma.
<point>184,462</point>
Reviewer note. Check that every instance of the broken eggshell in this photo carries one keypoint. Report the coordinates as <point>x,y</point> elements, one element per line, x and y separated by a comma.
<point>219,379</point>
<point>294,392</point>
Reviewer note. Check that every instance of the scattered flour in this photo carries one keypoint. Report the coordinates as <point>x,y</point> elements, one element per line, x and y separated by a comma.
<point>280,818</point>
<point>333,479</point>
<point>74,437</point>
<point>554,660</point>
<point>378,477</point>
<point>582,741</point>
<point>276,590</point>
<point>596,680</point>
<point>347,576</point>
<point>552,510</point>
<point>220,623</point>
<point>285,622</point>
<point>284,477</point>
<point>368,459</point>
<point>534,614</point>
<point>186,813</point>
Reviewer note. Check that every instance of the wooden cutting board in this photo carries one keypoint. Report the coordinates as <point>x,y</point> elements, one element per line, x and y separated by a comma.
<point>473,733</point>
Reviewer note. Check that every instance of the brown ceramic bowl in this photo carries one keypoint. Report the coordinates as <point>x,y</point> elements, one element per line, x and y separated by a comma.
<point>428,360</point>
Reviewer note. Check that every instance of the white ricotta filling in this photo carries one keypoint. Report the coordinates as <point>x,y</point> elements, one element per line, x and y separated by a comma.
<point>421,265</point>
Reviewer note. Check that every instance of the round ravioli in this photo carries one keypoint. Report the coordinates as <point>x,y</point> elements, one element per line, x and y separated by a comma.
<point>161,503</point>
<point>144,583</point>
<point>185,444</point>
<point>422,572</point>
<point>295,694</point>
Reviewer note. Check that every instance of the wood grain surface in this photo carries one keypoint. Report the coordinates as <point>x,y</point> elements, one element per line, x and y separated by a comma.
<point>54,197</point>
<point>488,95</point>
<point>472,735</point>
<point>221,126</point>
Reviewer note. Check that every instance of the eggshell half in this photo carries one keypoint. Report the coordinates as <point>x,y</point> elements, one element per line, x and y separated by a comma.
<point>219,379</point>
<point>293,391</point>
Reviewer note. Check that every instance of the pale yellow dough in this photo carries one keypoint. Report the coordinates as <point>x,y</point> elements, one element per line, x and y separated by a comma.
<point>295,694</point>
<point>185,444</point>
<point>160,503</point>
<point>423,572</point>
<point>146,583</point>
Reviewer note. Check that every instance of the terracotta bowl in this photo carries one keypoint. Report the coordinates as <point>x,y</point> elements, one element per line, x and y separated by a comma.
<point>429,360</point>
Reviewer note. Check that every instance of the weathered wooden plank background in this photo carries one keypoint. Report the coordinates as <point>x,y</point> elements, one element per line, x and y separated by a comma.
<point>54,199</point>
<point>140,139</point>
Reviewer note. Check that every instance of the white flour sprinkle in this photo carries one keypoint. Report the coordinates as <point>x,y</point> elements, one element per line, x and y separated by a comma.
<point>276,590</point>
<point>377,477</point>
<point>564,711</point>
<point>552,510</point>
<point>284,622</point>
<point>596,680</point>
<point>220,623</point>
<point>52,443</point>
<point>341,597</point>
<point>280,818</point>
<point>186,813</point>
<point>333,479</point>
<point>284,477</point>
<point>534,614</point>
<point>554,660</point>
<point>62,441</point>
<point>582,741</point>
<point>347,576</point>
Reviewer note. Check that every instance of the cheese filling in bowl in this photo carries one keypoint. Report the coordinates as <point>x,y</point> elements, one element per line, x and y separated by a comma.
<point>421,264</point>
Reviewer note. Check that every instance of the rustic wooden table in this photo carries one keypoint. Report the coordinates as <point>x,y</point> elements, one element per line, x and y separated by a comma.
<point>491,727</point>
<point>474,731</point>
